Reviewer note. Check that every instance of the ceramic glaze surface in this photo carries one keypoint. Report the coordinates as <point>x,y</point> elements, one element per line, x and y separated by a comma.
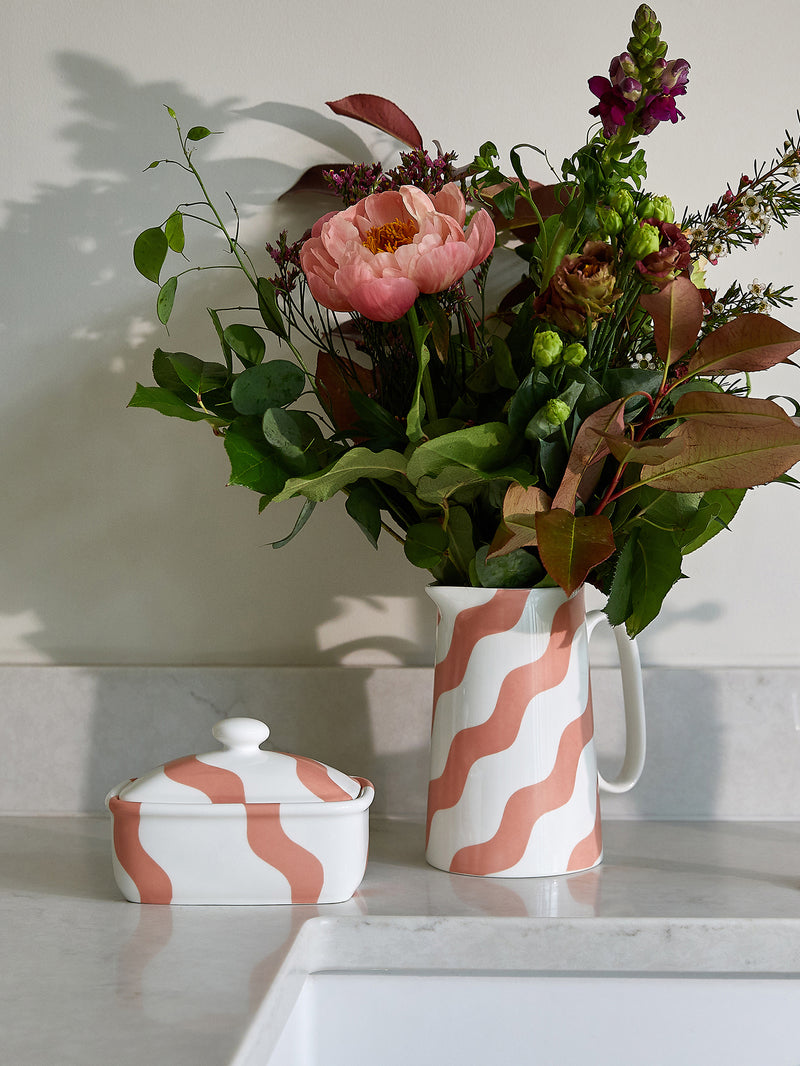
<point>201,829</point>
<point>513,778</point>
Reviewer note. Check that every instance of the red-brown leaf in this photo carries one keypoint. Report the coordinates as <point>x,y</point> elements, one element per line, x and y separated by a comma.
<point>677,313</point>
<point>746,344</point>
<point>381,113</point>
<point>570,547</point>
<point>729,442</point>
<point>335,383</point>
<point>587,452</point>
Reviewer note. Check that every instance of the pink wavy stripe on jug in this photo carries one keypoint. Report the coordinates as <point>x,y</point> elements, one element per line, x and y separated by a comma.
<point>525,755</point>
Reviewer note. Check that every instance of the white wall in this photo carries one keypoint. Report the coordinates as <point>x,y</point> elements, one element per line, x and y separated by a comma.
<point>120,541</point>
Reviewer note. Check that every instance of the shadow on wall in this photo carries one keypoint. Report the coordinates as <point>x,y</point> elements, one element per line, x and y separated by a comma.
<point>120,542</point>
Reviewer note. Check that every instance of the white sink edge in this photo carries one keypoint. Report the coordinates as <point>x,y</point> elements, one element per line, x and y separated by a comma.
<point>518,946</point>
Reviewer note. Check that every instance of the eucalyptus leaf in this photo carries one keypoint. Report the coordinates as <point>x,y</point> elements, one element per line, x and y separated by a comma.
<point>254,464</point>
<point>519,569</point>
<point>276,383</point>
<point>425,545</point>
<point>292,434</point>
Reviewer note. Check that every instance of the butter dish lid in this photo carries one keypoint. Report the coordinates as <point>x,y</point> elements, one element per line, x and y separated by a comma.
<point>241,772</point>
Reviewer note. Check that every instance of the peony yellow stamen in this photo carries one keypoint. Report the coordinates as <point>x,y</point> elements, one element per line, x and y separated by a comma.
<point>390,236</point>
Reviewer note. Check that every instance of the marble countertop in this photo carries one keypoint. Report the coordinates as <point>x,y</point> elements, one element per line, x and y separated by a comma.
<point>88,979</point>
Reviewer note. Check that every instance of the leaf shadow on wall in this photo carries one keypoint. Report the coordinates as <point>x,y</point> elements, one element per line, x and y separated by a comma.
<point>121,541</point>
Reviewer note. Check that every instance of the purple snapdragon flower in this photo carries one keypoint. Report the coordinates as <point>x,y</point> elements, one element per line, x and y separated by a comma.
<point>618,94</point>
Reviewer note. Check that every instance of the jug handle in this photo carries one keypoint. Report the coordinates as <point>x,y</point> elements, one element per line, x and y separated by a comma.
<point>633,702</point>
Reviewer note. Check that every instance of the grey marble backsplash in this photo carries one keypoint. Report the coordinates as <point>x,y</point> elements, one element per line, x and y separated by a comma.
<point>722,743</point>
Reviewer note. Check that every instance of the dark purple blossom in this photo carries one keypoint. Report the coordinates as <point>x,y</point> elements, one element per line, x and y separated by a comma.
<point>613,107</point>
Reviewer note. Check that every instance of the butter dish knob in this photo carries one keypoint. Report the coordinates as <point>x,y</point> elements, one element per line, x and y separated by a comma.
<point>241,734</point>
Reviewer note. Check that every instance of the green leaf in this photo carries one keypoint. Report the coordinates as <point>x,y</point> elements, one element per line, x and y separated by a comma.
<point>425,545</point>
<point>302,518</point>
<point>196,374</point>
<point>173,230</point>
<point>247,342</point>
<point>571,546</point>
<point>723,506</point>
<point>254,464</point>
<point>417,410</point>
<point>363,504</point>
<point>226,348</point>
<point>165,376</point>
<point>483,447</point>
<point>518,569</point>
<point>167,403</point>
<point>268,308</point>
<point>655,566</point>
<point>292,434</point>
<point>460,542</point>
<point>620,597</point>
<point>274,384</point>
<point>355,464</point>
<point>149,252</point>
<point>166,299</point>
<point>198,133</point>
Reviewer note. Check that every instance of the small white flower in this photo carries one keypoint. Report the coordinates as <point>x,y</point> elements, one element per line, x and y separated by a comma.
<point>793,172</point>
<point>750,201</point>
<point>717,248</point>
<point>718,308</point>
<point>763,306</point>
<point>697,234</point>
<point>756,287</point>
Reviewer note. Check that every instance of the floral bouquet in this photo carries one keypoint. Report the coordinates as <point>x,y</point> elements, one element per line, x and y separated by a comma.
<point>593,423</point>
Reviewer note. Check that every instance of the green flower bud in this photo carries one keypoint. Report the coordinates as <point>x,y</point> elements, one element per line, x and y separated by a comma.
<point>547,347</point>
<point>574,354</point>
<point>657,207</point>
<point>610,221</point>
<point>644,240</point>
<point>556,412</point>
<point>622,201</point>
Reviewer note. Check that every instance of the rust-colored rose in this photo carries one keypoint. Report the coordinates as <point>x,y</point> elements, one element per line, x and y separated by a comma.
<point>582,288</point>
<point>671,259</point>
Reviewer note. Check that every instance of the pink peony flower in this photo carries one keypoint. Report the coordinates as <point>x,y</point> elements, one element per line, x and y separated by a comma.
<point>377,256</point>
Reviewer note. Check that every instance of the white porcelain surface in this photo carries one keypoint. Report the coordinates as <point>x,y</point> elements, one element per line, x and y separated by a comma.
<point>471,1018</point>
<point>88,979</point>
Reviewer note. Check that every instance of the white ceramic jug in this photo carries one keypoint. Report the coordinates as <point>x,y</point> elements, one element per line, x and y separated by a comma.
<point>513,786</point>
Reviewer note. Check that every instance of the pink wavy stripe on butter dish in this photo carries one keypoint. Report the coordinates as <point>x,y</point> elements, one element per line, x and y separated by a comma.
<point>500,730</point>
<point>499,615</point>
<point>152,882</point>
<point>314,776</point>
<point>587,852</point>
<point>528,805</point>
<point>265,834</point>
